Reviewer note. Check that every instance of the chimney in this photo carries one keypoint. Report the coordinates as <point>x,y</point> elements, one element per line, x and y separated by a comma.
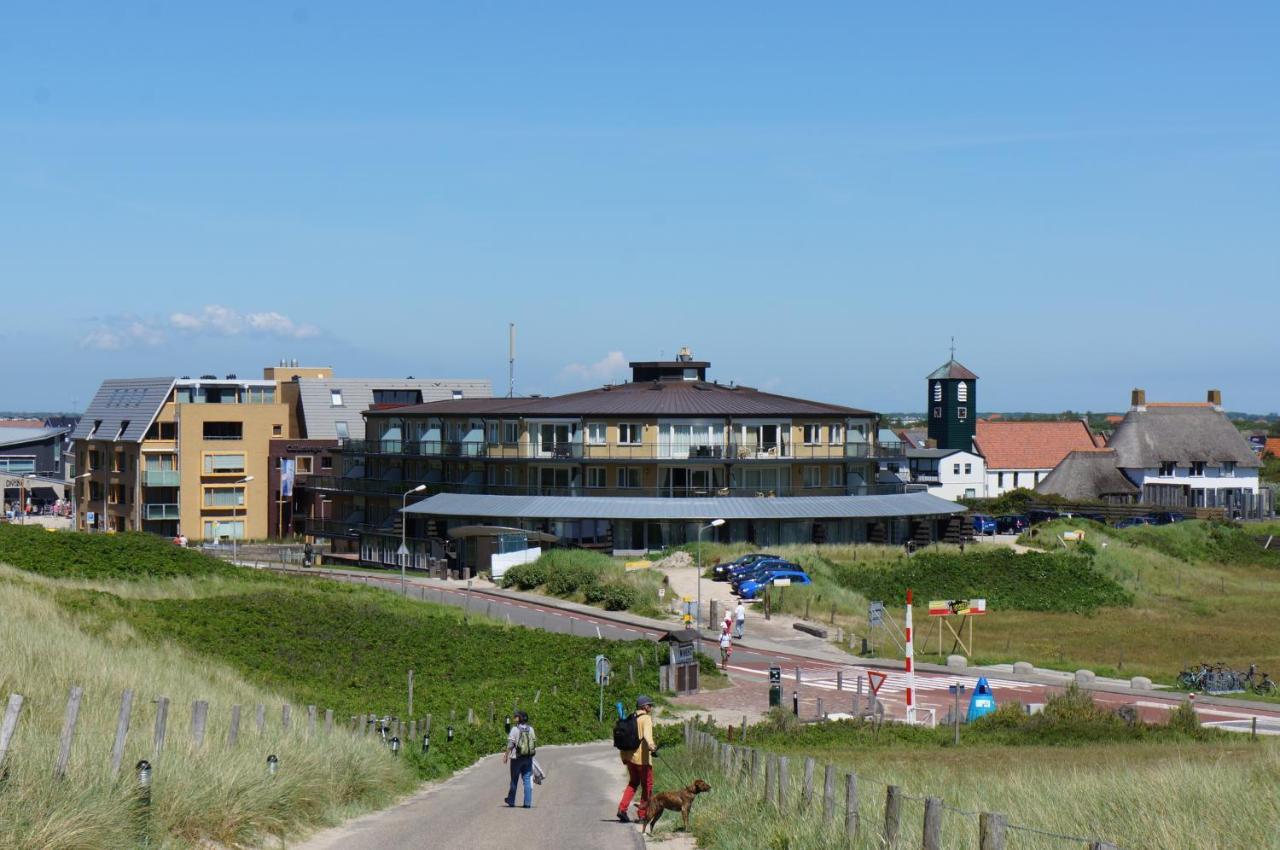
<point>1215,398</point>
<point>1139,400</point>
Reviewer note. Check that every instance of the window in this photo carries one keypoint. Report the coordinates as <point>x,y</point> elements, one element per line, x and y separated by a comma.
<point>491,474</point>
<point>1015,480</point>
<point>93,432</point>
<point>1228,469</point>
<point>813,476</point>
<point>962,413</point>
<point>224,430</point>
<point>1166,469</point>
<point>304,464</point>
<point>937,413</point>
<point>216,529</point>
<point>630,434</point>
<point>628,476</point>
<point>341,429</point>
<point>835,435</point>
<point>596,435</point>
<point>937,390</point>
<point>999,479</point>
<point>955,469</point>
<point>970,493</point>
<point>596,476</point>
<point>117,462</point>
<point>510,433</point>
<point>493,432</point>
<point>18,463</point>
<point>1197,468</point>
<point>161,431</point>
<point>224,464</point>
<point>224,497</point>
<point>277,430</point>
<point>968,469</point>
<point>93,459</point>
<point>508,475</point>
<point>335,398</point>
<point>962,391</point>
<point>837,476</point>
<point>326,462</point>
<point>261,395</point>
<point>812,435</point>
<point>397,397</point>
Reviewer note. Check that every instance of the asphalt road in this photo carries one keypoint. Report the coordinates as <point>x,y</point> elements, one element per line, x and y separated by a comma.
<point>573,808</point>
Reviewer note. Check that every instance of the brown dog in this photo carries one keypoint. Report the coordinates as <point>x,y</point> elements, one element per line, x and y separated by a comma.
<point>681,800</point>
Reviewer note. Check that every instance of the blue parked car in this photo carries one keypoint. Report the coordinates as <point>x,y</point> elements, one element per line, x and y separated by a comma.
<point>737,574</point>
<point>724,572</point>
<point>752,588</point>
<point>983,524</point>
<point>761,570</point>
<point>1133,521</point>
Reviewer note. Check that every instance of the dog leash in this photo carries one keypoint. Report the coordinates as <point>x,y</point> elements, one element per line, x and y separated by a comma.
<point>666,765</point>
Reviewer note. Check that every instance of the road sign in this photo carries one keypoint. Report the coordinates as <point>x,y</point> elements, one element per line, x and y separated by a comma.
<point>662,593</point>
<point>782,582</point>
<point>875,614</point>
<point>876,679</point>
<point>89,517</point>
<point>403,550</point>
<point>602,668</point>
<point>963,607</point>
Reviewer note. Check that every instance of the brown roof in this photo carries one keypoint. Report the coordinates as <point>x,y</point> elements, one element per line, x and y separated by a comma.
<point>1272,447</point>
<point>1087,475</point>
<point>1182,434</point>
<point>650,398</point>
<point>1031,445</point>
<point>953,371</point>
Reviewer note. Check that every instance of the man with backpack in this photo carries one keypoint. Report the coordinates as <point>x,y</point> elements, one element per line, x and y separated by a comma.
<point>521,745</point>
<point>633,737</point>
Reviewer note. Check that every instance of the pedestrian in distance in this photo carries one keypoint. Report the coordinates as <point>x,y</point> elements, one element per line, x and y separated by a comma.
<point>726,648</point>
<point>633,737</point>
<point>521,745</point>
<point>739,620</point>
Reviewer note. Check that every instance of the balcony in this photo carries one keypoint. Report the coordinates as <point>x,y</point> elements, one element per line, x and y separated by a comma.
<point>726,452</point>
<point>154,510</point>
<point>161,478</point>
<point>396,489</point>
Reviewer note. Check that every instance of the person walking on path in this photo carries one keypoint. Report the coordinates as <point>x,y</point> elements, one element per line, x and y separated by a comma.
<point>739,620</point>
<point>637,756</point>
<point>726,649</point>
<point>521,745</point>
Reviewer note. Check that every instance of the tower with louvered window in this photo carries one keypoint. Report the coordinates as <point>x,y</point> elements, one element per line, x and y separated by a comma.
<point>953,406</point>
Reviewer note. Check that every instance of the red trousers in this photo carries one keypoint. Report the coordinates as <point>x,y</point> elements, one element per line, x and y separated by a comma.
<point>639,776</point>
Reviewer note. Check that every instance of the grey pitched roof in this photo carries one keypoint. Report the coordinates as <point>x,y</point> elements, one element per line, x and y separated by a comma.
<point>932,453</point>
<point>647,398</point>
<point>951,370</point>
<point>319,415</point>
<point>1087,475</point>
<point>1179,433</point>
<point>19,436</point>
<point>693,510</point>
<point>135,400</point>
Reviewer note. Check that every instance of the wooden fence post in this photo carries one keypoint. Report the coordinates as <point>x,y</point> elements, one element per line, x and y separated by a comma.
<point>311,721</point>
<point>9,726</point>
<point>755,766</point>
<point>783,781</point>
<point>328,721</point>
<point>162,722</point>
<point>68,730</point>
<point>260,718</point>
<point>892,815</point>
<point>932,824</point>
<point>829,793</point>
<point>426,725</point>
<point>199,719</point>
<point>806,796</point>
<point>286,715</point>
<point>233,731</point>
<point>410,693</point>
<point>991,831</point>
<point>122,731</point>
<point>768,778</point>
<point>851,805</point>
<point>413,730</point>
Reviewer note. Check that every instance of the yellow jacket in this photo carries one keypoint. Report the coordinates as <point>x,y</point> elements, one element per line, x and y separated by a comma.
<point>641,754</point>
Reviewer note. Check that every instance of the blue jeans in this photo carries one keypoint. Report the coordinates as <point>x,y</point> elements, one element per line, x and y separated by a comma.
<point>737,628</point>
<point>521,767</point>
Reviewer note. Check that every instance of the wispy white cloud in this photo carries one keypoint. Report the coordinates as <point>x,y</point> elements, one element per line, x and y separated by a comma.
<point>612,365</point>
<point>125,332</point>
<point>224,321</point>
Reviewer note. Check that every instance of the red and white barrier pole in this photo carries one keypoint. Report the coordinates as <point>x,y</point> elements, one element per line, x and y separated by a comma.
<point>911,671</point>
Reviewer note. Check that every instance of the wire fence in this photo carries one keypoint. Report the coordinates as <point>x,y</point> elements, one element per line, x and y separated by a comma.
<point>771,774</point>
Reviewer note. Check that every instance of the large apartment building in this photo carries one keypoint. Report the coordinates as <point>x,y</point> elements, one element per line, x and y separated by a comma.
<point>669,434</point>
<point>194,456</point>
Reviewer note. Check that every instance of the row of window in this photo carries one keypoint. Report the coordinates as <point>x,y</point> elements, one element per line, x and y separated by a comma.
<point>961,413</point>
<point>962,391</point>
<point>632,433</point>
<point>1168,469</point>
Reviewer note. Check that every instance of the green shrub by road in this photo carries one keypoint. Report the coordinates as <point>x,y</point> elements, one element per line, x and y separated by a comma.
<point>129,556</point>
<point>1035,581</point>
<point>590,577</point>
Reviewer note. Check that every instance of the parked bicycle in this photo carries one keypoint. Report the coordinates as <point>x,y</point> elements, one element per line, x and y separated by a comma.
<point>1221,679</point>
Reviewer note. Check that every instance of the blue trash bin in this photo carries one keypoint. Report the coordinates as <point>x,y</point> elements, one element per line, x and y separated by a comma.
<point>982,702</point>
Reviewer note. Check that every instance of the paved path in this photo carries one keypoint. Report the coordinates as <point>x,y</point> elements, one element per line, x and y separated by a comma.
<point>573,808</point>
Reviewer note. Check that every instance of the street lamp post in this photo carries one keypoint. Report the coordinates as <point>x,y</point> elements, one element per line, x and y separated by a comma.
<point>403,552</point>
<point>715,523</point>
<point>235,508</point>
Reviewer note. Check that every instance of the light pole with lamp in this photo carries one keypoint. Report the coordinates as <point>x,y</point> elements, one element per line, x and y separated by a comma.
<point>235,508</point>
<point>403,552</point>
<point>75,500</point>
<point>715,523</point>
<point>22,497</point>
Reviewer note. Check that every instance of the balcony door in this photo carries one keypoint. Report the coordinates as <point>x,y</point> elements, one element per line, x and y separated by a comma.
<point>556,439</point>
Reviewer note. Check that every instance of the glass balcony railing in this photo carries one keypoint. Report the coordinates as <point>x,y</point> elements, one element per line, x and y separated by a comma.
<point>156,510</point>
<point>161,478</point>
<point>726,451</point>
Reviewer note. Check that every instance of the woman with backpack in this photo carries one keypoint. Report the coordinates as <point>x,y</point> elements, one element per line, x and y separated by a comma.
<point>521,745</point>
<point>633,738</point>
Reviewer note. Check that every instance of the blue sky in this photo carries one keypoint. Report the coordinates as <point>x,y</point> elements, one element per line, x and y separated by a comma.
<point>814,197</point>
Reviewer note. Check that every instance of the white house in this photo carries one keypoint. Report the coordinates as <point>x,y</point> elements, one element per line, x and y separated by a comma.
<point>948,473</point>
<point>1022,453</point>
<point>1186,455</point>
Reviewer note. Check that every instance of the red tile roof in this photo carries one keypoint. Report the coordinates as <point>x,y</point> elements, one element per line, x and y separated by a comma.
<point>1273,446</point>
<point>1031,445</point>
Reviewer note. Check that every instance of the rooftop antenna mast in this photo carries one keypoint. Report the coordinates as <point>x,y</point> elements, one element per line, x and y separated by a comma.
<point>511,360</point>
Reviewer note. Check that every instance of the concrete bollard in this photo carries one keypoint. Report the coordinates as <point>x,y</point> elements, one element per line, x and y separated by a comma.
<point>957,662</point>
<point>1023,668</point>
<point>1140,683</point>
<point>1085,677</point>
